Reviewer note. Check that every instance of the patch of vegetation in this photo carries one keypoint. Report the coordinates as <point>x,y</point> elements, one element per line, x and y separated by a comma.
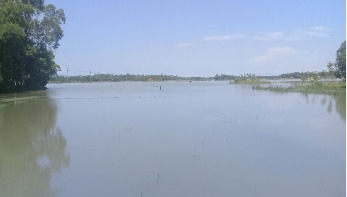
<point>248,79</point>
<point>4,101</point>
<point>30,32</point>
<point>127,77</point>
<point>332,88</point>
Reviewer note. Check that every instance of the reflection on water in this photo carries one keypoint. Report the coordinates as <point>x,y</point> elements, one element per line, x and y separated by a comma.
<point>340,104</point>
<point>31,148</point>
<point>330,102</point>
<point>187,139</point>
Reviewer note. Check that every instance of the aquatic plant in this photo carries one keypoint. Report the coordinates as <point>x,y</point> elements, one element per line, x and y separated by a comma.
<point>315,87</point>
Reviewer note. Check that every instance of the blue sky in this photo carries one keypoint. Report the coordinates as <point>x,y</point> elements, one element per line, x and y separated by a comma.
<point>199,37</point>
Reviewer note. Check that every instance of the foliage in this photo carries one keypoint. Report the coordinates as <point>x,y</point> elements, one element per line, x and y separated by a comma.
<point>127,77</point>
<point>222,77</point>
<point>29,33</point>
<point>333,88</point>
<point>339,67</point>
<point>244,78</point>
<point>311,76</point>
<point>340,63</point>
<point>308,75</point>
<point>248,78</point>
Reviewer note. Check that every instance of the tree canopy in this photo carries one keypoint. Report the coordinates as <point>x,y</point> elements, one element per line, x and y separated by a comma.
<point>340,63</point>
<point>30,31</point>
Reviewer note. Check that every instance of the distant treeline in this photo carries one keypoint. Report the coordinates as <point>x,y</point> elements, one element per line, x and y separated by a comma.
<point>218,77</point>
<point>294,75</point>
<point>300,75</point>
<point>123,77</point>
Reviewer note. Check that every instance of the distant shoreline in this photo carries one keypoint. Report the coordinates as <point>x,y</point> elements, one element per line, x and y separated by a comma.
<point>218,77</point>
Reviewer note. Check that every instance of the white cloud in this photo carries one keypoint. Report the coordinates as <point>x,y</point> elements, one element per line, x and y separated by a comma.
<point>274,53</point>
<point>320,28</point>
<point>183,45</point>
<point>317,31</point>
<point>224,37</point>
<point>274,36</point>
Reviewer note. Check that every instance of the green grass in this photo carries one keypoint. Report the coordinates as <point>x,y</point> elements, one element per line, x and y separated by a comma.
<point>248,81</point>
<point>4,101</point>
<point>332,88</point>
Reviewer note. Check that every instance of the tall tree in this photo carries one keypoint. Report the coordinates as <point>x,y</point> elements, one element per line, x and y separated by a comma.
<point>340,63</point>
<point>29,33</point>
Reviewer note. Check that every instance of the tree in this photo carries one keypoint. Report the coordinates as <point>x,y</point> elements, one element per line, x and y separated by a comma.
<point>29,33</point>
<point>331,68</point>
<point>340,63</point>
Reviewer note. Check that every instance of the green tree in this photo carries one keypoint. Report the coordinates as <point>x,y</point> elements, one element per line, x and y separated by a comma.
<point>29,33</point>
<point>340,63</point>
<point>331,68</point>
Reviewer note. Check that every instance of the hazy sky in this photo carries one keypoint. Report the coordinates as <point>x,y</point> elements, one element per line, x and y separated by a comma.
<point>200,37</point>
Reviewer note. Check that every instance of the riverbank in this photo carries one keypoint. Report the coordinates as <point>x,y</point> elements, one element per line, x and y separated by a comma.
<point>331,88</point>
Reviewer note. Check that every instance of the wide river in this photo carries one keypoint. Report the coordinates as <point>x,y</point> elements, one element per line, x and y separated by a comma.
<point>171,139</point>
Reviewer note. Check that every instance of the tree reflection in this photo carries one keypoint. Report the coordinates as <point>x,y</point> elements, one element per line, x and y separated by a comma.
<point>340,105</point>
<point>329,101</point>
<point>31,148</point>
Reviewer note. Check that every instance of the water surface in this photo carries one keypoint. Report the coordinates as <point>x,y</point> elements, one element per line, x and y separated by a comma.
<point>187,139</point>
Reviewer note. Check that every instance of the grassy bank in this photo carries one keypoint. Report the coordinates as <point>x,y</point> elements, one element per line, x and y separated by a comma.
<point>249,81</point>
<point>258,82</point>
<point>332,88</point>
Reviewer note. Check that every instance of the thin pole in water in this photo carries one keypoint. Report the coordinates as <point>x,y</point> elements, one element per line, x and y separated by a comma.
<point>67,75</point>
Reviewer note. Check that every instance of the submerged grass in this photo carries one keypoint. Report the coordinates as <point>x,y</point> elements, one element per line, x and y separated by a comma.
<point>4,101</point>
<point>331,88</point>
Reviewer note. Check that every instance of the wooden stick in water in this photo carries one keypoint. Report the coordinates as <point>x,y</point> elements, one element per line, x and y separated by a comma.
<point>158,179</point>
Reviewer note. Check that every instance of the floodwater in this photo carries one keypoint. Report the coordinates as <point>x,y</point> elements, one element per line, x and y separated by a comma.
<point>200,139</point>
